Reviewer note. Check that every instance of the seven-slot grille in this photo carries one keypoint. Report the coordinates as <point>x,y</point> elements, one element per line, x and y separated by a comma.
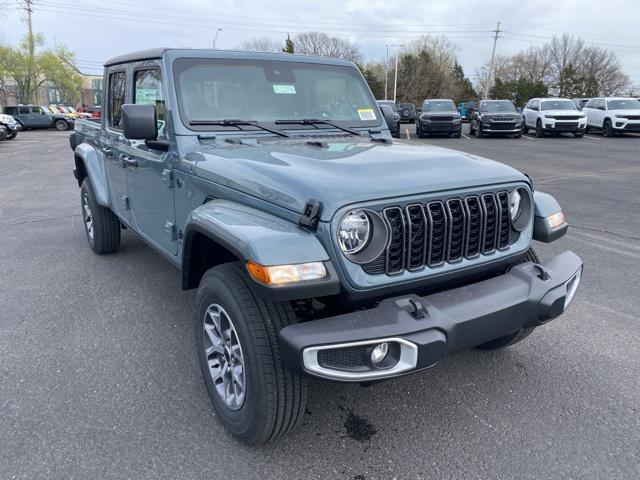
<point>428,235</point>
<point>441,118</point>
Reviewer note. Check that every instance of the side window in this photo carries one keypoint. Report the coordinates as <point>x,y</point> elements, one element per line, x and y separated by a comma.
<point>589,104</point>
<point>116,99</point>
<point>11,110</point>
<point>148,90</point>
<point>536,105</point>
<point>24,110</point>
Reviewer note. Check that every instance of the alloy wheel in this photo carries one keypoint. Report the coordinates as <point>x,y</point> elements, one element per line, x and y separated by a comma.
<point>224,357</point>
<point>88,216</point>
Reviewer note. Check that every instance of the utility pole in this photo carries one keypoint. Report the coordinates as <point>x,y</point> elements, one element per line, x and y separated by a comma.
<point>215,39</point>
<point>28,6</point>
<point>496,36</point>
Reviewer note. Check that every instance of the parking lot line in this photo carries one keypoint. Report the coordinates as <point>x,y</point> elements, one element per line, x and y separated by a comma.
<point>528,137</point>
<point>592,138</point>
<point>408,134</point>
<point>466,136</point>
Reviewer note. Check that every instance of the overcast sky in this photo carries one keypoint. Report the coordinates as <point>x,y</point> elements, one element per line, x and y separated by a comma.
<point>96,30</point>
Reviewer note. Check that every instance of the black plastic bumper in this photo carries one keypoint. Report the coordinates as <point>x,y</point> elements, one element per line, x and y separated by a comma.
<point>440,129</point>
<point>528,295</point>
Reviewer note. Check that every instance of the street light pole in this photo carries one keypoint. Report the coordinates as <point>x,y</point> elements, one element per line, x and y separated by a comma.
<point>215,39</point>
<point>395,80</point>
<point>386,73</point>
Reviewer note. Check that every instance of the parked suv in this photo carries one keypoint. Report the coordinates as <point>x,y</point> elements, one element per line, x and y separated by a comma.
<point>319,247</point>
<point>440,117</point>
<point>613,115</point>
<point>496,117</point>
<point>10,125</point>
<point>33,116</point>
<point>553,116</point>
<point>395,125</point>
<point>407,112</point>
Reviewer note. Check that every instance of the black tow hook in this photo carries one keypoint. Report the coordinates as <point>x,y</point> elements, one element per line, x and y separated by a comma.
<point>412,307</point>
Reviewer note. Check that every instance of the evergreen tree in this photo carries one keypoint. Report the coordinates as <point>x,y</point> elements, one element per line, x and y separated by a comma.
<point>288,45</point>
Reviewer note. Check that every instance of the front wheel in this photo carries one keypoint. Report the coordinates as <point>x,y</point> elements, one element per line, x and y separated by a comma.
<point>101,225</point>
<point>12,134</point>
<point>256,398</point>
<point>519,335</point>
<point>539,130</point>
<point>525,129</point>
<point>607,129</point>
<point>478,130</point>
<point>578,134</point>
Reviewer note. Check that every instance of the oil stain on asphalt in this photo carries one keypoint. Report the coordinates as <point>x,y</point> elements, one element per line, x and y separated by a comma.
<point>359,428</point>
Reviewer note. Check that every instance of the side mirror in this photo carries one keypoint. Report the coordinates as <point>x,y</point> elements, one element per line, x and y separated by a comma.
<point>387,113</point>
<point>139,122</point>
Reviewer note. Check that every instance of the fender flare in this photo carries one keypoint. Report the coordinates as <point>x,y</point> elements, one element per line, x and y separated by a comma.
<point>251,234</point>
<point>92,165</point>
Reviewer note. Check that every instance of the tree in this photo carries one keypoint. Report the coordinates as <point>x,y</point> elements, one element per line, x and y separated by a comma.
<point>464,87</point>
<point>288,45</point>
<point>371,73</point>
<point>321,44</point>
<point>518,91</point>
<point>260,44</point>
<point>566,65</point>
<point>29,72</point>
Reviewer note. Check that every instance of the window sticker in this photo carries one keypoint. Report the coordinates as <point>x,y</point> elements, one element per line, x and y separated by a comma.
<point>284,89</point>
<point>366,114</point>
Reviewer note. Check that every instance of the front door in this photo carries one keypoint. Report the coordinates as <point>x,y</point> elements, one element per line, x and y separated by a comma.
<point>112,145</point>
<point>150,171</point>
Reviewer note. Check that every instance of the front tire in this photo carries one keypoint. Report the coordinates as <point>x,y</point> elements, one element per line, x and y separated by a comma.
<point>519,335</point>
<point>539,130</point>
<point>607,129</point>
<point>478,130</point>
<point>273,398</point>
<point>101,225</point>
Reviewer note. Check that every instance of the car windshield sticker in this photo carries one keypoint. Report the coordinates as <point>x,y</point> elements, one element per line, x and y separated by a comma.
<point>286,89</point>
<point>366,114</point>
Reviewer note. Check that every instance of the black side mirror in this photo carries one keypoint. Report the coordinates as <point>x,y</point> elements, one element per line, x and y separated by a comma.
<point>387,113</point>
<point>139,122</point>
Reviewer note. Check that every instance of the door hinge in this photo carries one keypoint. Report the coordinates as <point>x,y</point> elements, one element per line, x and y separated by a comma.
<point>310,215</point>
<point>126,203</point>
<point>171,230</point>
<point>168,177</point>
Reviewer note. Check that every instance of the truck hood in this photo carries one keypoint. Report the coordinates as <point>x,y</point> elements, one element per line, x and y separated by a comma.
<point>340,172</point>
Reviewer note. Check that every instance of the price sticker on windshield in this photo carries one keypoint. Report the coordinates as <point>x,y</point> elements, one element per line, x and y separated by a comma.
<point>366,114</point>
<point>284,89</point>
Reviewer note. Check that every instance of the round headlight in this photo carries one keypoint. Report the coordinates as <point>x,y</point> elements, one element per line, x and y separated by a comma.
<point>354,231</point>
<point>515,200</point>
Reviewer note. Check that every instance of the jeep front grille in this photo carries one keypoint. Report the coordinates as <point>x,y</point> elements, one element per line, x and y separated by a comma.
<point>429,235</point>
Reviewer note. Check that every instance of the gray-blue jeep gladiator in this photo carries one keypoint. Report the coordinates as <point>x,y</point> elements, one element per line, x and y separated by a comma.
<point>319,246</point>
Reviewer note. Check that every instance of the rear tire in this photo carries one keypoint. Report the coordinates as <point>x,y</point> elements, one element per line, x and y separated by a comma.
<point>274,397</point>
<point>515,337</point>
<point>61,125</point>
<point>101,225</point>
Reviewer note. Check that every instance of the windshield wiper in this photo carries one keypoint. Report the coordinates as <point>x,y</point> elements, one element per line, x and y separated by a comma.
<point>315,122</point>
<point>238,123</point>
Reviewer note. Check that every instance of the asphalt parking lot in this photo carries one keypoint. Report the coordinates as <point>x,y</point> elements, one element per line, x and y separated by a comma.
<point>100,379</point>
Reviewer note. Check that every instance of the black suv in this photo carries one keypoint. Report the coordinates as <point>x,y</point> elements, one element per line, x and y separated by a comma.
<point>440,117</point>
<point>496,117</point>
<point>407,112</point>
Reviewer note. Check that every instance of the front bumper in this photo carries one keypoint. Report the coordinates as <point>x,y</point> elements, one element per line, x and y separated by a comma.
<point>576,126</point>
<point>13,127</point>
<point>421,331</point>
<point>443,128</point>
<point>626,125</point>
<point>507,129</point>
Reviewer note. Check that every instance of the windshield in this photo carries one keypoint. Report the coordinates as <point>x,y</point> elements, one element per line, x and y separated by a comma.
<point>501,107</point>
<point>558,105</point>
<point>389,104</point>
<point>268,90</point>
<point>439,106</point>
<point>626,104</point>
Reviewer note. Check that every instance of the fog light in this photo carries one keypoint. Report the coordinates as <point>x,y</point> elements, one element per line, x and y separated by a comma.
<point>379,353</point>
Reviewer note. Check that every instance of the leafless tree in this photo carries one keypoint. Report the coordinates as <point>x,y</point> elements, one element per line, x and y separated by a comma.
<point>321,44</point>
<point>261,44</point>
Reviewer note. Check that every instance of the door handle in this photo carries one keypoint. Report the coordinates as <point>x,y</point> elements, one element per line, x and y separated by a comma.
<point>129,162</point>
<point>108,152</point>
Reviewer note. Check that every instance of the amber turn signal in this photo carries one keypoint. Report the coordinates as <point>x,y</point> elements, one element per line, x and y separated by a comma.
<point>282,274</point>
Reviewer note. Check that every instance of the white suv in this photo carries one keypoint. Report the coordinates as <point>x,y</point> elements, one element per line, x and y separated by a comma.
<point>613,115</point>
<point>553,115</point>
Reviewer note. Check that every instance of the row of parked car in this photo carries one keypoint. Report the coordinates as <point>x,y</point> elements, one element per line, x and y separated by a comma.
<point>545,116</point>
<point>24,117</point>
